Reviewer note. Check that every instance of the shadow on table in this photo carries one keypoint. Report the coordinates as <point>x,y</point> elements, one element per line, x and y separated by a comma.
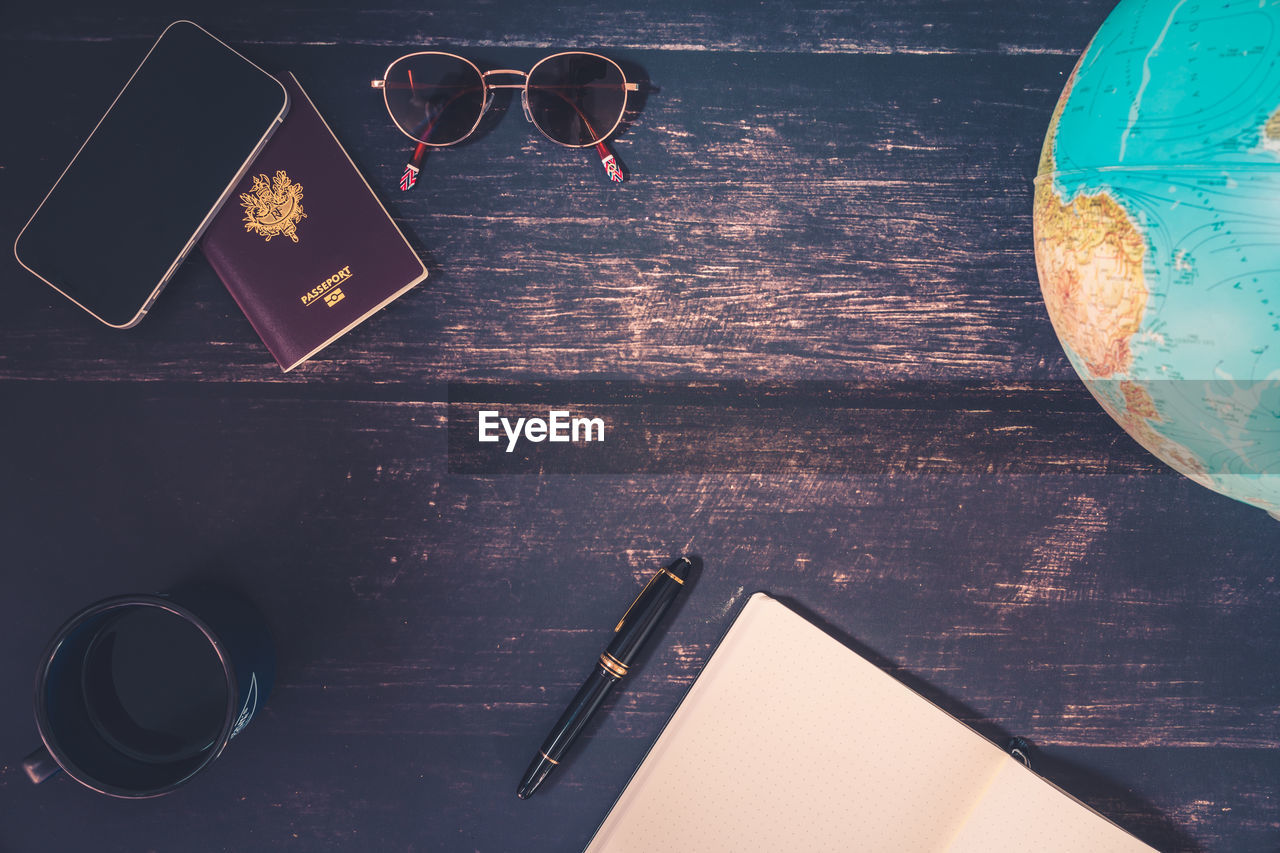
<point>1110,797</point>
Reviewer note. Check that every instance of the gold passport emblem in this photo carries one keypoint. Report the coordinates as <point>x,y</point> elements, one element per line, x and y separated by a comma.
<point>273,207</point>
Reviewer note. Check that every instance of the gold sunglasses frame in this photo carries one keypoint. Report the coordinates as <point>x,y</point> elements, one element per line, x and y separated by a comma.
<point>490,87</point>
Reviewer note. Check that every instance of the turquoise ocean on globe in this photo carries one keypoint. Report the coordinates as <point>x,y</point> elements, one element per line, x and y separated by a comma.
<point>1157,230</point>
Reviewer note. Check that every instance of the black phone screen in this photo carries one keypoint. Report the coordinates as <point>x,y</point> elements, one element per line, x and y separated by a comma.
<point>147,180</point>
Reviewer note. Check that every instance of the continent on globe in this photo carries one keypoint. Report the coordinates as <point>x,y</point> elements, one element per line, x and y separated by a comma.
<point>1091,274</point>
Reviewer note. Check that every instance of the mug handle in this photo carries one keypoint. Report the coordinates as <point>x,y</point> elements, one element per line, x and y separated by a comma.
<point>40,765</point>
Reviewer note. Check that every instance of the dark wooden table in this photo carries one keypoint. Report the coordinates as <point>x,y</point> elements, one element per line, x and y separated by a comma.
<point>821,268</point>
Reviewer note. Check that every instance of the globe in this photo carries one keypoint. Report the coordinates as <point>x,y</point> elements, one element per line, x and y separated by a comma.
<point>1157,234</point>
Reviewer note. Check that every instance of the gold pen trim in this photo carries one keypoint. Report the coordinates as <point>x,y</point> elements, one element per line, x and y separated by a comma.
<point>612,665</point>
<point>623,620</point>
<point>548,757</point>
<point>659,573</point>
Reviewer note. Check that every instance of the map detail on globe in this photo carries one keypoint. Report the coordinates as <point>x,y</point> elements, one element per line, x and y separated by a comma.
<point>1157,231</point>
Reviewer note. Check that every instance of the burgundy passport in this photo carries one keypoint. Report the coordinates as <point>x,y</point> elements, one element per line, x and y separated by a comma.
<point>303,244</point>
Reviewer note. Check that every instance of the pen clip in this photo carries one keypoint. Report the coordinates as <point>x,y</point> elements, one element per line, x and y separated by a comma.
<point>623,620</point>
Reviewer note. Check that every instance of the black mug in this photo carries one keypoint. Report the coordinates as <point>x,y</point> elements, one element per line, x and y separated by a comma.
<point>136,694</point>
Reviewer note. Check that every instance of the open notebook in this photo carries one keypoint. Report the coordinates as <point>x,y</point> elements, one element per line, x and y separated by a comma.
<point>789,740</point>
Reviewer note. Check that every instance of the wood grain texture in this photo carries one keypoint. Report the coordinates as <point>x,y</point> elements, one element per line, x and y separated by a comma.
<point>827,226</point>
<point>916,26</point>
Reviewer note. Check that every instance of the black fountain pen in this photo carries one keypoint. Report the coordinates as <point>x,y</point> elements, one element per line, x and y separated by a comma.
<point>636,625</point>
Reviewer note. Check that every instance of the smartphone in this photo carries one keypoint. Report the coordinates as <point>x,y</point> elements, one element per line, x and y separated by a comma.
<point>151,175</point>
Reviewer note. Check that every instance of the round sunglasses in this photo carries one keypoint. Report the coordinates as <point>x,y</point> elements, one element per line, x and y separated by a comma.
<point>576,99</point>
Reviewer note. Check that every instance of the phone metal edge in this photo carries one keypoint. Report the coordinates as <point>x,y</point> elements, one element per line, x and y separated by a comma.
<point>186,250</point>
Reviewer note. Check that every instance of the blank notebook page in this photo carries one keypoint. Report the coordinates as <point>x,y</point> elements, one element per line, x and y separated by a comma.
<point>790,741</point>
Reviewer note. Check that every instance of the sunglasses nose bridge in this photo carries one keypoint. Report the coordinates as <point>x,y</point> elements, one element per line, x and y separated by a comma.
<point>508,71</point>
<point>523,86</point>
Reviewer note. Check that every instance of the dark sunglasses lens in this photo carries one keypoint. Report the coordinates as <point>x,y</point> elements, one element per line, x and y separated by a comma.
<point>434,97</point>
<point>576,98</point>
